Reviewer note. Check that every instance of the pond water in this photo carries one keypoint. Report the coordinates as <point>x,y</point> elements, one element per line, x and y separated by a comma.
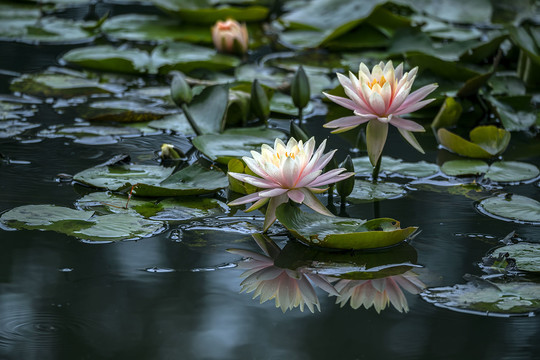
<point>176,294</point>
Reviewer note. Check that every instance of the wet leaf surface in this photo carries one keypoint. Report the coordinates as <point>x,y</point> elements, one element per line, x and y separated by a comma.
<point>391,166</point>
<point>526,255</point>
<point>512,207</point>
<point>366,191</point>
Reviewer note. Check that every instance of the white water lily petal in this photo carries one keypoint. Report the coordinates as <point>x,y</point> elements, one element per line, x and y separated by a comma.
<point>406,124</point>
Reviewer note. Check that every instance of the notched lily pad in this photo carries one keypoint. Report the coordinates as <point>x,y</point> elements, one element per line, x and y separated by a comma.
<point>79,223</point>
<point>526,255</point>
<point>362,166</point>
<point>367,191</point>
<point>511,207</point>
<point>154,180</point>
<point>485,298</point>
<point>341,233</point>
<point>486,142</point>
<point>235,143</point>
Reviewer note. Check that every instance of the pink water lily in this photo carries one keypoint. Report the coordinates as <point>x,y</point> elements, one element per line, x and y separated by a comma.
<point>230,36</point>
<point>381,97</point>
<point>293,171</point>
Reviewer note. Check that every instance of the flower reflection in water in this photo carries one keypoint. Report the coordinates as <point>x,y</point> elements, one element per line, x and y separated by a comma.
<point>379,293</point>
<point>289,288</point>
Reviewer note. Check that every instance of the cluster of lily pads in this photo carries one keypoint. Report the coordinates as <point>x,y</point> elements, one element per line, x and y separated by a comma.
<point>119,84</point>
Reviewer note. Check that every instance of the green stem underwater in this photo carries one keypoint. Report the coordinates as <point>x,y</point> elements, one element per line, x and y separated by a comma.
<point>376,169</point>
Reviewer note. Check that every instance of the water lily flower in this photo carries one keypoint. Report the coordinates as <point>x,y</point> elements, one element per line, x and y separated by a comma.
<point>379,293</point>
<point>230,36</point>
<point>292,171</point>
<point>289,288</point>
<point>381,97</point>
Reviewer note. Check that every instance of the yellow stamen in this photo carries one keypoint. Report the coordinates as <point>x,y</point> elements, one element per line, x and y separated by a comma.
<point>381,82</point>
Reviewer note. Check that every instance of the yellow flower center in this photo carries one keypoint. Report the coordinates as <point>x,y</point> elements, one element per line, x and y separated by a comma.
<point>381,82</point>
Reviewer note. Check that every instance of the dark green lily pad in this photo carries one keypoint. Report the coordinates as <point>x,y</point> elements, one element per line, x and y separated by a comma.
<point>81,224</point>
<point>365,191</point>
<point>512,207</point>
<point>154,180</point>
<point>283,104</point>
<point>515,112</point>
<point>141,27</point>
<point>362,166</point>
<point>486,142</point>
<point>209,107</point>
<point>61,85</point>
<point>186,57</point>
<point>109,58</point>
<point>341,233</point>
<point>175,122</point>
<point>125,110</point>
<point>486,298</point>
<point>235,143</point>
<point>500,171</point>
<point>210,11</point>
<point>472,12</point>
<point>176,209</point>
<point>527,255</point>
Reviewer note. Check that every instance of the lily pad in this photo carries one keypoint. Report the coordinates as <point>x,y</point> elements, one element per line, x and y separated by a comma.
<point>91,135</point>
<point>81,224</point>
<point>283,104</point>
<point>362,166</point>
<point>500,171</point>
<point>176,209</point>
<point>367,191</point>
<point>512,207</point>
<point>464,167</point>
<point>126,110</point>
<point>141,27</point>
<point>515,112</point>
<point>341,233</point>
<point>235,143</point>
<point>486,298</point>
<point>527,255</point>
<point>486,142</point>
<point>209,107</point>
<point>61,85</point>
<point>45,30</point>
<point>11,128</point>
<point>110,58</point>
<point>188,57</point>
<point>175,122</point>
<point>154,180</point>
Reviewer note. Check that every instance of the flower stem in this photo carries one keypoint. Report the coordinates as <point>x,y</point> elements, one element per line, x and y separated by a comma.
<point>376,169</point>
<point>300,116</point>
<point>190,120</point>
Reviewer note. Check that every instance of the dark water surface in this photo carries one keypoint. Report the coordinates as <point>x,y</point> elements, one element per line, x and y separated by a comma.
<point>175,296</point>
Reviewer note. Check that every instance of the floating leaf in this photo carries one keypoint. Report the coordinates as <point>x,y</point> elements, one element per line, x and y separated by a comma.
<point>61,85</point>
<point>81,224</point>
<point>486,142</point>
<point>142,27</point>
<point>283,104</point>
<point>154,180</point>
<point>526,255</point>
<point>515,112</point>
<point>235,143</point>
<point>367,191</point>
<point>341,233</point>
<point>486,298</point>
<point>512,207</point>
<point>389,165</point>
<point>126,110</point>
<point>90,134</point>
<point>510,171</point>
<point>186,57</point>
<point>464,167</point>
<point>109,58</point>
<point>209,107</point>
<point>175,122</point>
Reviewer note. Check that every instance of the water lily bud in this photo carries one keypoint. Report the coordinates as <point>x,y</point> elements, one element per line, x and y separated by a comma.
<point>298,133</point>
<point>346,186</point>
<point>230,37</point>
<point>300,91</point>
<point>180,89</point>
<point>169,152</point>
<point>260,106</point>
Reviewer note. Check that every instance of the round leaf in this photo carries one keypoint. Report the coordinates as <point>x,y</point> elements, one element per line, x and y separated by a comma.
<point>464,167</point>
<point>367,191</point>
<point>512,207</point>
<point>527,255</point>
<point>510,171</point>
<point>109,58</point>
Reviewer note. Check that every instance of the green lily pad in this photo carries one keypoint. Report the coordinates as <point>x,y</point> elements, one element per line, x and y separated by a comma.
<point>464,167</point>
<point>500,171</point>
<point>81,224</point>
<point>283,104</point>
<point>364,191</point>
<point>510,299</point>
<point>512,207</point>
<point>486,142</point>
<point>186,57</point>
<point>125,110</point>
<point>109,58</point>
<point>154,180</point>
<point>176,209</point>
<point>209,107</point>
<point>28,28</point>
<point>210,11</point>
<point>235,143</point>
<point>362,166</point>
<point>515,112</point>
<point>61,85</point>
<point>341,233</point>
<point>175,122</point>
<point>527,255</point>
<point>85,132</point>
<point>141,27</point>
<point>472,12</point>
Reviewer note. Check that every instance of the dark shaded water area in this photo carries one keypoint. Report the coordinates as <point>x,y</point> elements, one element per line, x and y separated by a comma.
<point>176,295</point>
